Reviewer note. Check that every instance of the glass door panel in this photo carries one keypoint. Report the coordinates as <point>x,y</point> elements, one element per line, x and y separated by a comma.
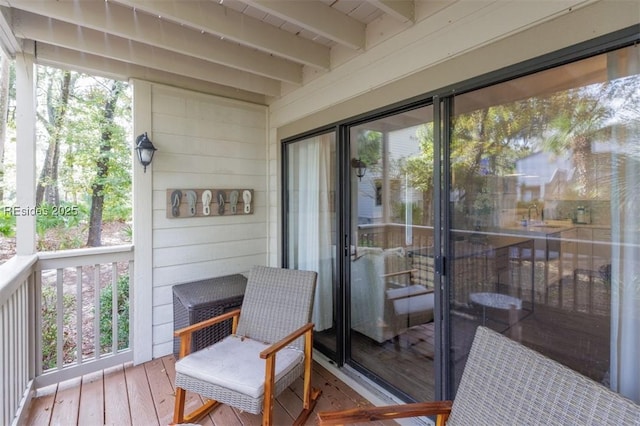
<point>311,221</point>
<point>544,239</point>
<point>391,260</point>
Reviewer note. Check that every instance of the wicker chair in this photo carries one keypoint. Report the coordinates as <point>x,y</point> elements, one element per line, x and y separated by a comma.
<point>241,369</point>
<point>505,383</point>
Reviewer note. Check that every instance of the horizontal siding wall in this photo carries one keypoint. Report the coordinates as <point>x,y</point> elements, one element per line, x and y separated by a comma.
<point>461,41</point>
<point>204,142</point>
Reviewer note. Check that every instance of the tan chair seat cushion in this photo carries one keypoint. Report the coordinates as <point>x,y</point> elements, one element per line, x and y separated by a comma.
<point>414,305</point>
<point>411,300</point>
<point>235,363</point>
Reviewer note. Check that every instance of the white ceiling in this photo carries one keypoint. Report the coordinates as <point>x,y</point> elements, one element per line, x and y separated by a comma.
<point>260,48</point>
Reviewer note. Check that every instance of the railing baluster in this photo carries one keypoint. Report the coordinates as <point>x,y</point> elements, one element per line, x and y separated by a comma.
<point>96,319</point>
<point>4,364</point>
<point>32,324</point>
<point>130,316</point>
<point>114,307</point>
<point>59,319</point>
<point>12,335</point>
<point>79,314</point>
<point>22,331</point>
<point>37,289</point>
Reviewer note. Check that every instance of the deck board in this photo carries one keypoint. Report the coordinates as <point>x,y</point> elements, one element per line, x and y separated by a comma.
<point>161,390</point>
<point>92,400</point>
<point>143,411</point>
<point>192,401</point>
<point>116,401</point>
<point>40,412</point>
<point>144,395</point>
<point>67,402</point>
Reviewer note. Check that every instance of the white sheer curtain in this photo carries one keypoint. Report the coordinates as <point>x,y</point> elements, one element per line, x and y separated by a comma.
<point>625,279</point>
<point>625,235</point>
<point>310,246</point>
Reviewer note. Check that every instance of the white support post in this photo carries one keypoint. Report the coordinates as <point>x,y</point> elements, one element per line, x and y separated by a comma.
<point>141,287</point>
<point>25,154</point>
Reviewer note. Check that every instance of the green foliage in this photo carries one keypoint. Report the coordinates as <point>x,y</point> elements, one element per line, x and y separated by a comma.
<point>66,215</point>
<point>82,132</point>
<point>60,219</point>
<point>116,212</point>
<point>128,233</point>
<point>87,126</point>
<point>7,224</point>
<point>400,210</point>
<point>106,315</point>
<point>420,167</point>
<point>50,327</point>
<point>369,144</point>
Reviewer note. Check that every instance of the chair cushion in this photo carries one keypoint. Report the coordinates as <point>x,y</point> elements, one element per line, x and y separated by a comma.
<point>412,290</point>
<point>235,363</point>
<point>413,305</point>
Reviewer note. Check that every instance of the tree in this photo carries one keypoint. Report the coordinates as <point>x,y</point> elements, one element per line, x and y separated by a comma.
<point>4,103</point>
<point>420,170</point>
<point>102,165</point>
<point>369,143</point>
<point>587,118</point>
<point>53,121</point>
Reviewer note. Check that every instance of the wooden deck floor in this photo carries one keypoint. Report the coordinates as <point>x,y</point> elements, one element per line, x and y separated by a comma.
<point>144,395</point>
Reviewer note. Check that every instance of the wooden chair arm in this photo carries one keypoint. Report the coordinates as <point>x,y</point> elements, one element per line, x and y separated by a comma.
<point>441,409</point>
<point>185,333</point>
<point>274,348</point>
<point>395,274</point>
<point>408,296</point>
<point>206,323</point>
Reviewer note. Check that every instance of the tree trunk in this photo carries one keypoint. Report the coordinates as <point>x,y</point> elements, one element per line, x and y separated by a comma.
<point>102,166</point>
<point>47,189</point>
<point>4,103</point>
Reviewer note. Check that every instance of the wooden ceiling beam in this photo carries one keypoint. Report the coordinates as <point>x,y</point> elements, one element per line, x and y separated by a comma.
<point>41,29</point>
<point>142,27</point>
<point>402,10</point>
<point>8,41</point>
<point>97,65</point>
<point>317,18</point>
<point>214,18</point>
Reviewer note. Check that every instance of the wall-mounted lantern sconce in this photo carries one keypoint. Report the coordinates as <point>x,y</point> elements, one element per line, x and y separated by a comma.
<point>145,149</point>
<point>359,166</point>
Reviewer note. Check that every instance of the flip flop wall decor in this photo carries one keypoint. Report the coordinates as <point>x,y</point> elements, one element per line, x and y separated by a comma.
<point>184,203</point>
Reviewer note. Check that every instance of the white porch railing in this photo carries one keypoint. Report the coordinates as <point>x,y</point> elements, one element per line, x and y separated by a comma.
<point>52,318</point>
<point>17,316</point>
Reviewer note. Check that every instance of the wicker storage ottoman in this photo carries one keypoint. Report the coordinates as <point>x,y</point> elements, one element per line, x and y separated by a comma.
<point>200,300</point>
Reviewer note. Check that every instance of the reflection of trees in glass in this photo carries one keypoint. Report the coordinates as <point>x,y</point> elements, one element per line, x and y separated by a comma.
<point>369,150</point>
<point>369,143</point>
<point>420,172</point>
<point>589,115</point>
<point>488,142</point>
<point>575,128</point>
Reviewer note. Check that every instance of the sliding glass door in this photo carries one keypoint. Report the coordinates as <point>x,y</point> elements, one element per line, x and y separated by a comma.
<point>544,171</point>
<point>513,206</point>
<point>375,305</point>
<point>391,283</point>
